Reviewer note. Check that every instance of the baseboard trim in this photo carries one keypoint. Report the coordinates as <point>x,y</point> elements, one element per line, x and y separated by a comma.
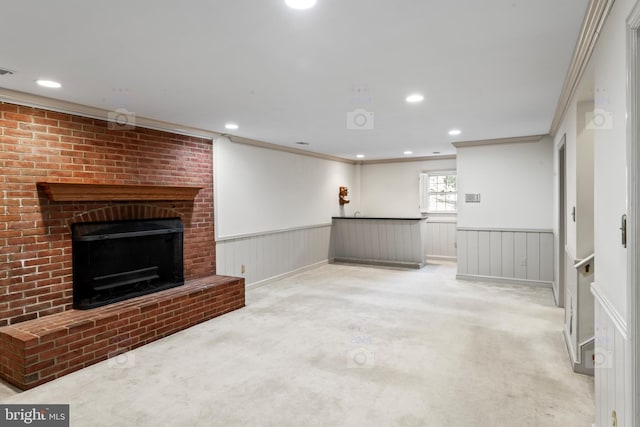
<point>608,307</point>
<point>506,280</point>
<point>263,282</point>
<point>441,258</point>
<point>264,233</point>
<point>508,230</point>
<point>576,365</point>
<point>567,343</point>
<point>383,263</point>
<point>555,297</point>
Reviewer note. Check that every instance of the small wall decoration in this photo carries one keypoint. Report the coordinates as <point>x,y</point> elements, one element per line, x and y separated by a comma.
<point>344,192</point>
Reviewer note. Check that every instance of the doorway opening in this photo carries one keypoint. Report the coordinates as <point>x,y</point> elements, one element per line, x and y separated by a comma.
<point>559,287</point>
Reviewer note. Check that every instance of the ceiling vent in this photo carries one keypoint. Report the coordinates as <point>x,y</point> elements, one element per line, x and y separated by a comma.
<point>4,71</point>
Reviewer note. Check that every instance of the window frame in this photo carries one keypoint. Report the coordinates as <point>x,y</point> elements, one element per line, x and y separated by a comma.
<point>425,206</point>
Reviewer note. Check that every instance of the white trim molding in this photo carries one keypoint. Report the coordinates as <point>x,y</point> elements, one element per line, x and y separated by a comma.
<point>272,279</point>
<point>633,209</point>
<point>407,159</point>
<point>264,233</point>
<point>292,150</point>
<point>616,318</point>
<point>37,101</point>
<point>436,220</point>
<point>495,141</point>
<point>506,281</point>
<point>596,15</point>
<point>512,230</point>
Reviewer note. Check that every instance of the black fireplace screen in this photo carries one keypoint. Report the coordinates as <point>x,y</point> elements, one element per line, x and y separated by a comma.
<point>114,261</point>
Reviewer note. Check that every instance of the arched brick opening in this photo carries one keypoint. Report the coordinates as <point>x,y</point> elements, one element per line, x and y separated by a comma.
<point>125,212</point>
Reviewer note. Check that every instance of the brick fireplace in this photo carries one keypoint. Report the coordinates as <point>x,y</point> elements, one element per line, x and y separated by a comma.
<point>36,281</point>
<point>39,145</point>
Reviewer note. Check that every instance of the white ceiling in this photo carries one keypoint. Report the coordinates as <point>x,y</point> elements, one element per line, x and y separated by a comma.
<point>492,68</point>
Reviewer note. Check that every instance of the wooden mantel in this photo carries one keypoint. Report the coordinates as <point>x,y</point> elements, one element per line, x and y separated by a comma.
<point>76,192</point>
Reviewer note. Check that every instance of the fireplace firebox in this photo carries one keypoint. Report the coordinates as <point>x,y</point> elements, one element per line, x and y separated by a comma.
<point>117,260</point>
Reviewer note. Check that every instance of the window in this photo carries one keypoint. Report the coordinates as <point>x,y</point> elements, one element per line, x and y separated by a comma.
<point>438,192</point>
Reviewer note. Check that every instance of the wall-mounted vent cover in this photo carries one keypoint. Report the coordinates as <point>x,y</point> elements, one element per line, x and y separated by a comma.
<point>472,198</point>
<point>4,71</point>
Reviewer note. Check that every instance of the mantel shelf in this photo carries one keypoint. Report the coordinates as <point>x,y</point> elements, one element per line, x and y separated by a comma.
<point>78,192</point>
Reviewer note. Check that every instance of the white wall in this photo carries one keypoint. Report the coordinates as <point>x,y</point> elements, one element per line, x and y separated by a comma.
<point>609,74</point>
<point>608,66</point>
<point>610,157</point>
<point>584,181</point>
<point>260,190</point>
<point>515,183</point>
<point>392,189</point>
<point>273,209</point>
<point>610,188</point>
<point>568,128</point>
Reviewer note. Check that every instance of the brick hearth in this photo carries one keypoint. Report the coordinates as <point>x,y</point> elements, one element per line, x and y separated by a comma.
<point>41,350</point>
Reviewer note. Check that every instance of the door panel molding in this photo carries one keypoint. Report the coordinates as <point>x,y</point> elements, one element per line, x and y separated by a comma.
<point>633,209</point>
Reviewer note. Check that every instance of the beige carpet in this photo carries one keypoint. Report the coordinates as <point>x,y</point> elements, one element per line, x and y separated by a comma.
<point>346,346</point>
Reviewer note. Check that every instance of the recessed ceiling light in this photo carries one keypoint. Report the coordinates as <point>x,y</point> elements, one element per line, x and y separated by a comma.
<point>300,4</point>
<point>360,156</point>
<point>406,153</point>
<point>454,132</point>
<point>49,83</point>
<point>413,98</point>
<point>231,126</point>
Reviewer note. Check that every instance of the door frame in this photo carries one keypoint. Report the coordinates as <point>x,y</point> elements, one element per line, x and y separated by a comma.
<point>562,219</point>
<point>633,210</point>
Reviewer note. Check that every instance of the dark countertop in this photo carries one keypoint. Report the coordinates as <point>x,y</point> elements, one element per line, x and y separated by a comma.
<point>378,218</point>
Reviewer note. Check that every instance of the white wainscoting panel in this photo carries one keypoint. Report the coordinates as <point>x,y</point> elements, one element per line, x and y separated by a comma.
<point>506,255</point>
<point>484,257</point>
<point>520,255</point>
<point>495,244</point>
<point>473,259</point>
<point>379,240</point>
<point>578,312</point>
<point>610,362</point>
<point>441,239</point>
<point>271,255</point>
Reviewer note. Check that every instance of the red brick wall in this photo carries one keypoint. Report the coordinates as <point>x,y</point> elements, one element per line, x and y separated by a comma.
<point>35,236</point>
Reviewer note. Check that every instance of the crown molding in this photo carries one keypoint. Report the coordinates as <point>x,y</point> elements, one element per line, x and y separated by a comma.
<point>495,141</point>
<point>594,19</point>
<point>283,148</point>
<point>37,101</point>
<point>407,159</point>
